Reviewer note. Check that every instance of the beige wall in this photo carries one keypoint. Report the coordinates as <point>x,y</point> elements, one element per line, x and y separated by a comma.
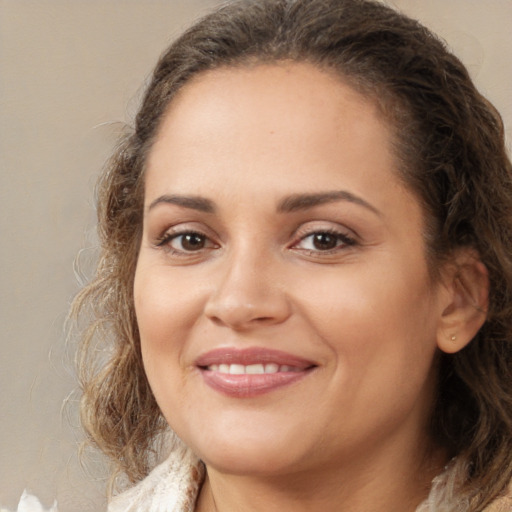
<point>69,71</point>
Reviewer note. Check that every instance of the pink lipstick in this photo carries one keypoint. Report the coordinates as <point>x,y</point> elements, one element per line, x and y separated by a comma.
<point>251,372</point>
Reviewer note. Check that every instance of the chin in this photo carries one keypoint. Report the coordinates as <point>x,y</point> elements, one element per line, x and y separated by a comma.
<point>253,462</point>
<point>266,451</point>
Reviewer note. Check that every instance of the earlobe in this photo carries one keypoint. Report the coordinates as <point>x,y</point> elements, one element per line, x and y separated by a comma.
<point>465,308</point>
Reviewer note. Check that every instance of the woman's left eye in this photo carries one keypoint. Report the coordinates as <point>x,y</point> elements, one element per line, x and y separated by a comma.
<point>323,241</point>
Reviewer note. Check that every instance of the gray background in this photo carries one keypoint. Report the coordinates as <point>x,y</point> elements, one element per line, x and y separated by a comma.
<point>71,72</point>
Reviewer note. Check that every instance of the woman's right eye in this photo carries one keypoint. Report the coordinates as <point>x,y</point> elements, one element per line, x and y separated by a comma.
<point>185,242</point>
<point>189,242</point>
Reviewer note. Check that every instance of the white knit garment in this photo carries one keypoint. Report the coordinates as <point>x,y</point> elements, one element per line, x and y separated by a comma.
<point>172,486</point>
<point>442,496</point>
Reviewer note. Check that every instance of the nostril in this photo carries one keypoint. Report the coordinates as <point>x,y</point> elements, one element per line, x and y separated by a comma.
<point>216,320</point>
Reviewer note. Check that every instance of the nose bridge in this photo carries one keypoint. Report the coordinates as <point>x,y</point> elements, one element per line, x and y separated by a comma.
<point>247,289</point>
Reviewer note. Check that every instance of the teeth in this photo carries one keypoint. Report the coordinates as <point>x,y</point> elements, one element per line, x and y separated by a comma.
<point>271,368</point>
<point>236,369</point>
<point>252,369</point>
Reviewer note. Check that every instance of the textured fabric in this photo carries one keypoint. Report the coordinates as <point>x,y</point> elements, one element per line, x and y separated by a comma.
<point>503,504</point>
<point>443,498</point>
<point>173,486</point>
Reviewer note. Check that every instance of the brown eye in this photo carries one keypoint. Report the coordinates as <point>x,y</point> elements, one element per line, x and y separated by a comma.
<point>187,243</point>
<point>327,242</point>
<point>324,241</point>
<point>191,241</point>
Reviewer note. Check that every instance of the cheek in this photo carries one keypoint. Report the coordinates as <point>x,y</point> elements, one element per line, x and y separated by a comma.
<point>165,306</point>
<point>382,297</point>
<point>168,305</point>
<point>162,312</point>
<point>381,321</point>
<point>158,311</point>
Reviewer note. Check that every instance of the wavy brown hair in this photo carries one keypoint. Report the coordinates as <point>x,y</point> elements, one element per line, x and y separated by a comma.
<point>449,142</point>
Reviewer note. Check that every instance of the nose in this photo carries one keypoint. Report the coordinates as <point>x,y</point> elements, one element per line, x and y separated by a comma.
<point>248,294</point>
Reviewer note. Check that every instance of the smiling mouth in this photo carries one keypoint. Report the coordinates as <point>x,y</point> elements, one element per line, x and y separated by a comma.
<point>251,372</point>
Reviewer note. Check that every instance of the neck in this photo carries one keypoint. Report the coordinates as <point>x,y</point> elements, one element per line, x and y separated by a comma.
<point>382,484</point>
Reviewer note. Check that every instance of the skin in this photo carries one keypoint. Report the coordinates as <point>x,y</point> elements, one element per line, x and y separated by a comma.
<point>351,435</point>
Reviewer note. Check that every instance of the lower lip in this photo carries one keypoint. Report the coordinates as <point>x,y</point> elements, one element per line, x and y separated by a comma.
<point>250,385</point>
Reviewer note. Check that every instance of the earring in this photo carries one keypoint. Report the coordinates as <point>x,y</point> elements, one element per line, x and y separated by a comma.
<point>453,338</point>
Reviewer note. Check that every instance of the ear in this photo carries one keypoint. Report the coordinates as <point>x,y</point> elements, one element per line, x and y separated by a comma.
<point>465,303</point>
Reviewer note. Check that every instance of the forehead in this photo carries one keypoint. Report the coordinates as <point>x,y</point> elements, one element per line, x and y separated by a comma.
<point>299,89</point>
<point>270,115</point>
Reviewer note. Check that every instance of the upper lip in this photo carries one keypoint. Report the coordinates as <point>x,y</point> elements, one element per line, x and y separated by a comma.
<point>251,355</point>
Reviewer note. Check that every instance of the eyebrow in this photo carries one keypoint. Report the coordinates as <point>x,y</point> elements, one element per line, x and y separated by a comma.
<point>193,202</point>
<point>305,201</point>
<point>289,204</point>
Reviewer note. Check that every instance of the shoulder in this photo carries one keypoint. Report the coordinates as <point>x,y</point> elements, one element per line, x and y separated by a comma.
<point>172,486</point>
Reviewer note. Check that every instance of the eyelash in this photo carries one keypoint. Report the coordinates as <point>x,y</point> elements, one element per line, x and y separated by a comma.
<point>167,238</point>
<point>342,242</point>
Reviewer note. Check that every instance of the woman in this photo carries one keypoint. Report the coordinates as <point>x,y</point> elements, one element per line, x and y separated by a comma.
<point>306,273</point>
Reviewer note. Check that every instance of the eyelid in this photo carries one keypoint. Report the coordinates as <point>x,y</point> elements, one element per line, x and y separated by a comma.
<point>162,241</point>
<point>158,233</point>
<point>345,235</point>
<point>312,227</point>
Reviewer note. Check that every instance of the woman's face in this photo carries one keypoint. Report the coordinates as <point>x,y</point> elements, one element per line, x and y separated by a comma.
<point>286,314</point>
